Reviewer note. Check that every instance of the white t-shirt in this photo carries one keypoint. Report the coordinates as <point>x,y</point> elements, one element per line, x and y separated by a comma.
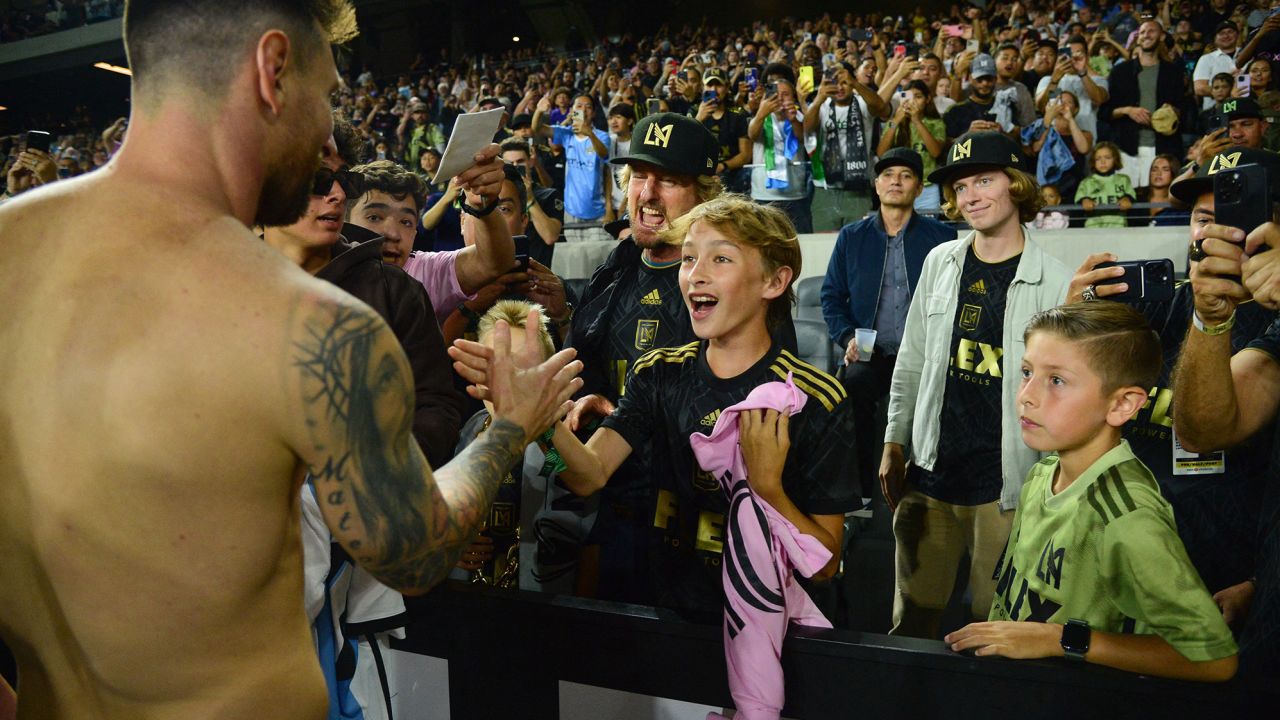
<point>1208,66</point>
<point>1087,118</point>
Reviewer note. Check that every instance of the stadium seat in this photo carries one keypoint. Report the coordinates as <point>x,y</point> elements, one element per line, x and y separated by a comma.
<point>814,345</point>
<point>809,299</point>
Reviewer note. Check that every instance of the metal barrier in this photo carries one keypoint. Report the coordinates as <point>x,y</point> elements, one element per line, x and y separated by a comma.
<point>508,652</point>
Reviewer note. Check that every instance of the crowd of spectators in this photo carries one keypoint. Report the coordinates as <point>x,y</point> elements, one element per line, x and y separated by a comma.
<point>1109,103</point>
<point>42,18</point>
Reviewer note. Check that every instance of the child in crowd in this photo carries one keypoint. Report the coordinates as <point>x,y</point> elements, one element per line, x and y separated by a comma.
<point>1051,219</point>
<point>535,529</point>
<point>1094,559</point>
<point>739,260</point>
<point>1106,186</point>
<point>1209,119</point>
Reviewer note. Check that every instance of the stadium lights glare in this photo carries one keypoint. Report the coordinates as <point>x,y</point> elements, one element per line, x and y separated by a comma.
<point>3,108</point>
<point>113,68</point>
<point>515,38</point>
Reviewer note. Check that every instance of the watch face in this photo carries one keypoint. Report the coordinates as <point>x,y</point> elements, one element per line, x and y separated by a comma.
<point>1075,637</point>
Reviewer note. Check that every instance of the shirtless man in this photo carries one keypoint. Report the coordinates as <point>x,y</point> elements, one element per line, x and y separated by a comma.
<point>166,379</point>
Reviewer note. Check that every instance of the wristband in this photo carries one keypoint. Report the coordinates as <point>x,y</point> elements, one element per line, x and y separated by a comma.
<point>1219,329</point>
<point>478,212</point>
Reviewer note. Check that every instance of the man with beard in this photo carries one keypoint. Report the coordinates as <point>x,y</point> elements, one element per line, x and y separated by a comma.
<point>1139,87</point>
<point>978,113</point>
<point>631,306</point>
<point>178,378</point>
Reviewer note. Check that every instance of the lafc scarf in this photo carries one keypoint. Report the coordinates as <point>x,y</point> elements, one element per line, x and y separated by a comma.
<point>778,142</point>
<point>850,171</point>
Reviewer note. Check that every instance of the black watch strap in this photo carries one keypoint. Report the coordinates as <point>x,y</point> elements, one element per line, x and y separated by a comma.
<point>478,212</point>
<point>1076,635</point>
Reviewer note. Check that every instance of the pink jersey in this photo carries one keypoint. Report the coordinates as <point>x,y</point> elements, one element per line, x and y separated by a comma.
<point>762,548</point>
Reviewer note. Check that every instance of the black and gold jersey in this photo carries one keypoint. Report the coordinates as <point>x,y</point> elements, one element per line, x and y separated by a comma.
<point>672,393</point>
<point>651,314</point>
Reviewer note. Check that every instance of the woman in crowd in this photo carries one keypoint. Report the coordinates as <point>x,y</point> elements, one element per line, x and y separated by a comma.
<point>917,125</point>
<point>1060,115</point>
<point>1163,169</point>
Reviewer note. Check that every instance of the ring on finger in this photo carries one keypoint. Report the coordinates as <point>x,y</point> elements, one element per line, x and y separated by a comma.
<point>1089,293</point>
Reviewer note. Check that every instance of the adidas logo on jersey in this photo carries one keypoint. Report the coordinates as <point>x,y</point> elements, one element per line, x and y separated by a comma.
<point>652,298</point>
<point>711,418</point>
<point>978,288</point>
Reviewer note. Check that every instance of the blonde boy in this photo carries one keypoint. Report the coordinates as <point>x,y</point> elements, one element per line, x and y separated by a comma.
<point>1094,558</point>
<point>738,260</point>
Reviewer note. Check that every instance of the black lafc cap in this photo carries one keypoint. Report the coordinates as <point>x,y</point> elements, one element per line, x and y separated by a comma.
<point>1239,108</point>
<point>903,156</point>
<point>1189,190</point>
<point>673,142</point>
<point>987,148</point>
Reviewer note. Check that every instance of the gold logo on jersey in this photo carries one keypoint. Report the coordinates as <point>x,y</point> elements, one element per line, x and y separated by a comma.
<point>969,316</point>
<point>711,418</point>
<point>978,288</point>
<point>646,334</point>
<point>962,151</point>
<point>653,298</point>
<point>502,516</point>
<point>658,135</point>
<point>1223,162</point>
<point>705,481</point>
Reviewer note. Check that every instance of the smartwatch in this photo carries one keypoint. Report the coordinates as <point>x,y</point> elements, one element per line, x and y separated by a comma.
<point>1075,639</point>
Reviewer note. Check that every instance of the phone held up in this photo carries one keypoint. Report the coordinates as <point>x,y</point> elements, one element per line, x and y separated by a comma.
<point>1148,280</point>
<point>1241,199</point>
<point>39,140</point>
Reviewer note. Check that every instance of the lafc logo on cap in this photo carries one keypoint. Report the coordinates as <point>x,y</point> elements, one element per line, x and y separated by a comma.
<point>658,135</point>
<point>1223,162</point>
<point>961,151</point>
<point>1229,106</point>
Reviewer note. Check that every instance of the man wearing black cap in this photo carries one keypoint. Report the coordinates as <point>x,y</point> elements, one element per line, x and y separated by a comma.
<point>633,305</point>
<point>1222,59</point>
<point>870,278</point>
<point>730,129</point>
<point>955,384</point>
<point>1227,396</point>
<point>978,112</point>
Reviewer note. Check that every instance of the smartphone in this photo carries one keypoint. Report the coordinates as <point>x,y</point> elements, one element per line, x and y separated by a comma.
<point>829,76</point>
<point>771,90</point>
<point>652,106</point>
<point>710,96</point>
<point>753,79</point>
<point>1243,84</point>
<point>521,243</point>
<point>39,140</point>
<point>805,77</point>
<point>1064,52</point>
<point>860,35</point>
<point>973,46</point>
<point>900,50</point>
<point>1242,197</point>
<point>1148,280</point>
<point>953,30</point>
<point>577,117</point>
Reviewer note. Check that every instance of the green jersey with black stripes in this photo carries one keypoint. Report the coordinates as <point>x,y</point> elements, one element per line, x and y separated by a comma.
<point>1106,550</point>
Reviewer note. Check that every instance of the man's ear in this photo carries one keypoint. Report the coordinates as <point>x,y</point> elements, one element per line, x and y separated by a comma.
<point>271,63</point>
<point>778,282</point>
<point>1125,404</point>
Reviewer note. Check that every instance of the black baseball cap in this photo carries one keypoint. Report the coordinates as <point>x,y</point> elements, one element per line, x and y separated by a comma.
<point>1189,189</point>
<point>1240,108</point>
<point>986,148</point>
<point>673,142</point>
<point>1226,25</point>
<point>903,156</point>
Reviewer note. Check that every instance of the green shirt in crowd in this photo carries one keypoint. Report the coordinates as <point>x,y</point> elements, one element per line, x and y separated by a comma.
<point>1105,190</point>
<point>1106,550</point>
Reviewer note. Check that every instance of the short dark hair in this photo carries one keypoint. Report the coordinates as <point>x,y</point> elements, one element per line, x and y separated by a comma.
<point>350,147</point>
<point>392,179</point>
<point>1122,348</point>
<point>199,40</point>
<point>1078,40</point>
<point>513,176</point>
<point>515,144</point>
<point>782,70</point>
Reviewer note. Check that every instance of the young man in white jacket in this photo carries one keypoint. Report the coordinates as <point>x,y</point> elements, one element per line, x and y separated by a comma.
<point>952,405</point>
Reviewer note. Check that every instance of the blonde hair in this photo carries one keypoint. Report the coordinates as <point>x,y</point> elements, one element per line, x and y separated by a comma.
<point>763,227</point>
<point>1023,189</point>
<point>516,314</point>
<point>1120,345</point>
<point>705,187</point>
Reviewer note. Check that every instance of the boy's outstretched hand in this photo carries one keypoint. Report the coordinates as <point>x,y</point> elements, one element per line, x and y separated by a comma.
<point>1017,640</point>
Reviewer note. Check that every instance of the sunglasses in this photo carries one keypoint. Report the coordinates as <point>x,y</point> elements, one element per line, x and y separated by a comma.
<point>325,178</point>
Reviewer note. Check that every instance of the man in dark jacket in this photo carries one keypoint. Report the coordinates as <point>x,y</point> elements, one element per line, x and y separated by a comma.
<point>873,270</point>
<point>351,258</point>
<point>1140,87</point>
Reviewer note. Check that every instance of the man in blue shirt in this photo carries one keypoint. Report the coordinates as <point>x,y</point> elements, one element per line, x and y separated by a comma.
<point>586,151</point>
<point>872,272</point>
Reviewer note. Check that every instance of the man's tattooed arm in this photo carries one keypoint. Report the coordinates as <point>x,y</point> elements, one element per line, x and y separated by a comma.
<point>374,486</point>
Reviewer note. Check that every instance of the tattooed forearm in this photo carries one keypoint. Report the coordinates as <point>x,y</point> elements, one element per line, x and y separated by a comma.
<point>374,485</point>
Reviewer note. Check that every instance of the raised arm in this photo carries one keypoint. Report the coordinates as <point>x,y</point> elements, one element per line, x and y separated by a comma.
<point>493,253</point>
<point>349,416</point>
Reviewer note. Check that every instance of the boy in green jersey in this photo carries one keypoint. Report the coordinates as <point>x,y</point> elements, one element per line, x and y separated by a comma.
<point>1094,559</point>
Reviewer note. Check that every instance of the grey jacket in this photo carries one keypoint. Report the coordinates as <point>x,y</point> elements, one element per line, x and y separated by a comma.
<point>920,376</point>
